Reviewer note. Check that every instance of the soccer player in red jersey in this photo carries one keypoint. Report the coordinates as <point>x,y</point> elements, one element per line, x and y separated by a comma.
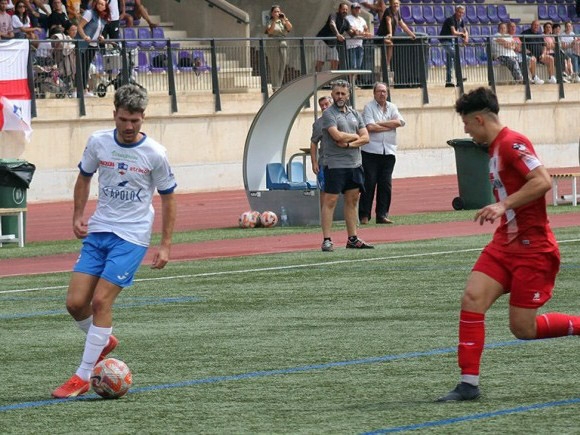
<point>522,259</point>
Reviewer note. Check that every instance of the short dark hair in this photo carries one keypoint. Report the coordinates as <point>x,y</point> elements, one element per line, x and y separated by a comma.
<point>480,99</point>
<point>132,98</point>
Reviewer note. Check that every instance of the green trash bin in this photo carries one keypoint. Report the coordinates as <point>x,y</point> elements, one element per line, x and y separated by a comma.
<point>472,161</point>
<point>15,178</point>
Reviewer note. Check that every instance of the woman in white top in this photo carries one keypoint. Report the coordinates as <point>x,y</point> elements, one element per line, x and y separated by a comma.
<point>21,22</point>
<point>276,47</point>
<point>571,46</point>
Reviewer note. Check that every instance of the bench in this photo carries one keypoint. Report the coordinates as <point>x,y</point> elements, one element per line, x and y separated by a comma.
<point>556,178</point>
<point>13,238</point>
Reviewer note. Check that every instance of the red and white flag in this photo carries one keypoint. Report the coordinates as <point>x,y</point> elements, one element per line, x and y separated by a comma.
<point>14,90</point>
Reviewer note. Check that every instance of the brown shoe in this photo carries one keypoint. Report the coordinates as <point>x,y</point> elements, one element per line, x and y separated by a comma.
<point>364,220</point>
<point>384,220</point>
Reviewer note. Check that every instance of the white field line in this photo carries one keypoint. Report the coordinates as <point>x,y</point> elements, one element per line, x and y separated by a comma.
<point>274,268</point>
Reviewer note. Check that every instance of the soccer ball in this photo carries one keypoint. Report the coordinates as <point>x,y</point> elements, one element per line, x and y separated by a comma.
<point>268,219</point>
<point>111,378</point>
<point>249,219</point>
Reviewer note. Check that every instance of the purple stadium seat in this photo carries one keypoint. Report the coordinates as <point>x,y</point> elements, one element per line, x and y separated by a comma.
<point>485,33</point>
<point>406,14</point>
<point>550,1</point>
<point>482,14</point>
<point>469,1</point>
<point>420,29</point>
<point>471,14</point>
<point>449,10</point>
<point>436,58</point>
<point>479,1</point>
<point>429,14</point>
<point>475,34</point>
<point>158,35</point>
<point>439,13</point>
<point>553,13</point>
<point>543,12</point>
<point>502,13</point>
<point>142,62</point>
<point>573,16</point>
<point>470,58</point>
<point>563,12</point>
<point>432,31</point>
<point>144,35</point>
<point>437,1</point>
<point>130,34</point>
<point>492,14</point>
<point>417,12</point>
<point>447,1</point>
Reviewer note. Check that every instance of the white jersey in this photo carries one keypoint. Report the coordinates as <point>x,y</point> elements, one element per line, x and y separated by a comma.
<point>114,8</point>
<point>128,176</point>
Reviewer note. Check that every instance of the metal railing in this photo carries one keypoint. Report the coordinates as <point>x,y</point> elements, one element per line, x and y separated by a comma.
<point>222,65</point>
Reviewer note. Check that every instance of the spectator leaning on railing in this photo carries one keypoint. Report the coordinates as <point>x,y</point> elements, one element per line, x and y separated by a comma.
<point>503,50</point>
<point>454,27</point>
<point>570,43</point>
<point>336,26</point>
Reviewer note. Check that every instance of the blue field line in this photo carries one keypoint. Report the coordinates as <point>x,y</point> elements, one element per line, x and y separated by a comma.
<point>266,373</point>
<point>472,417</point>
<point>143,303</point>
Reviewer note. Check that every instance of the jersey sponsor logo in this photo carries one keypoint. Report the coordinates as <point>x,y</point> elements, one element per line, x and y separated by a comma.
<point>122,194</point>
<point>536,297</point>
<point>107,164</point>
<point>122,168</point>
<point>124,155</point>
<point>143,171</point>
<point>519,147</point>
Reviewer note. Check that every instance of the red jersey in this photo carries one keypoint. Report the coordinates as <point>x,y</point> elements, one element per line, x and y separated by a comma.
<point>526,228</point>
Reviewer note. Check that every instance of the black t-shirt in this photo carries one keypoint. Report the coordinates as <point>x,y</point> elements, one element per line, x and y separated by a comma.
<point>395,19</point>
<point>450,22</point>
<point>342,25</point>
<point>58,19</point>
<point>534,42</point>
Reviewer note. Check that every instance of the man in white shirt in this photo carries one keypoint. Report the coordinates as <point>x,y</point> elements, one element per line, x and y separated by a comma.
<point>130,166</point>
<point>354,44</point>
<point>382,119</point>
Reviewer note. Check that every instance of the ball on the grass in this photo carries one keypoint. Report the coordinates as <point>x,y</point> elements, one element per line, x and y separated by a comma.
<point>268,219</point>
<point>111,378</point>
<point>249,219</point>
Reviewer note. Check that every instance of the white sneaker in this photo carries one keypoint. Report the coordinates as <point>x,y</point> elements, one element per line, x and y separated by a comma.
<point>565,80</point>
<point>89,94</point>
<point>552,80</point>
<point>538,81</point>
<point>577,79</point>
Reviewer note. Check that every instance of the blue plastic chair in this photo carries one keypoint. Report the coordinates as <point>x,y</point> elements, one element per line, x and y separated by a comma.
<point>417,13</point>
<point>502,13</point>
<point>406,14</point>
<point>130,35</point>
<point>543,12</point>
<point>475,34</point>
<point>429,14</point>
<point>436,58</point>
<point>471,14</point>
<point>482,14</point>
<point>492,14</point>
<point>553,13</point>
<point>276,179</point>
<point>439,13</point>
<point>144,35</point>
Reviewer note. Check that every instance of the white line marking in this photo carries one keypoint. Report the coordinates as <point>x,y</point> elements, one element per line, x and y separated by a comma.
<point>267,269</point>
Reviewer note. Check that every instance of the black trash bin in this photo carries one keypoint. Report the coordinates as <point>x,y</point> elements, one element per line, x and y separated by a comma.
<point>472,161</point>
<point>15,178</point>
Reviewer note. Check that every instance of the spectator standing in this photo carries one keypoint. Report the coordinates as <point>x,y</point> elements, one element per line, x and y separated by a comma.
<point>522,259</point>
<point>343,133</point>
<point>89,33</point>
<point>325,49</point>
<point>530,60</point>
<point>6,30</point>
<point>382,119</point>
<point>317,154</point>
<point>454,28</point>
<point>130,167</point>
<point>111,30</point>
<point>571,45</point>
<point>503,50</point>
<point>354,44</point>
<point>535,43</point>
<point>391,21</point>
<point>276,46</point>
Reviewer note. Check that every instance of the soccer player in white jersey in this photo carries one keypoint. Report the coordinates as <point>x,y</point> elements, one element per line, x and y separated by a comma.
<point>130,167</point>
<point>522,259</point>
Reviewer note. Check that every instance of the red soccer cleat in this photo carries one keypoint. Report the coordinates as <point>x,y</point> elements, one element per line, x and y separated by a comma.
<point>74,387</point>
<point>111,345</point>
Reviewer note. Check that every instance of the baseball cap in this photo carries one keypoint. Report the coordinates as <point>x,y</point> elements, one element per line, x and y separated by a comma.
<point>355,5</point>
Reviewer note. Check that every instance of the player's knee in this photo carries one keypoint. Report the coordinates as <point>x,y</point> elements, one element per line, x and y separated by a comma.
<point>100,305</point>
<point>522,332</point>
<point>75,306</point>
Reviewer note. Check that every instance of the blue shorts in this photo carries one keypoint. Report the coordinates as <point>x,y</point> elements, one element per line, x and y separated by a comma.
<point>320,178</point>
<point>108,256</point>
<point>339,180</point>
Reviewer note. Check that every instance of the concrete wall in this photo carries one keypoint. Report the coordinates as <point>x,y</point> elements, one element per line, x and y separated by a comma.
<point>206,148</point>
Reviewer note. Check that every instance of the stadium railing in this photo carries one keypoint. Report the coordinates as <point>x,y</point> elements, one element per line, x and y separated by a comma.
<point>223,66</point>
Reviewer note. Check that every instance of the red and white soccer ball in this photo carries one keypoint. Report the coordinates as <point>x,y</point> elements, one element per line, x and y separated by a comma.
<point>268,219</point>
<point>249,219</point>
<point>111,378</point>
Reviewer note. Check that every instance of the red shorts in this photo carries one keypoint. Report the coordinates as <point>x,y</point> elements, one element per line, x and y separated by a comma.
<point>529,278</point>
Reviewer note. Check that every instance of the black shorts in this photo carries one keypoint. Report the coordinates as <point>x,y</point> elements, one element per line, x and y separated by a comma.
<point>339,180</point>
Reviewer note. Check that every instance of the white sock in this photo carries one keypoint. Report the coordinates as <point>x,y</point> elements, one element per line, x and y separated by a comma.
<point>470,379</point>
<point>85,324</point>
<point>97,339</point>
